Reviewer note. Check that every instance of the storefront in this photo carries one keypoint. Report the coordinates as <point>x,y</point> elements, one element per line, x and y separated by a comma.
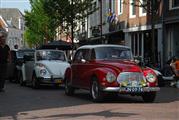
<point>171,42</point>
<point>140,41</point>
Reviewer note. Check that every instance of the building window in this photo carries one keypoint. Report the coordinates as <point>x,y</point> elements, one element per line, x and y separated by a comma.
<point>136,44</point>
<point>174,4</point>
<point>132,8</point>
<point>120,7</point>
<point>113,5</point>
<point>142,9</point>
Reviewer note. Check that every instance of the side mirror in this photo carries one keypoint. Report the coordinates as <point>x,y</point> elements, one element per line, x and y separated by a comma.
<point>138,60</point>
<point>83,60</point>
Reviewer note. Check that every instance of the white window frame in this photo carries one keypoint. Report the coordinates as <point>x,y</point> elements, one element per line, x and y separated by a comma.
<point>141,9</point>
<point>120,7</point>
<point>113,6</point>
<point>171,7</point>
<point>130,10</point>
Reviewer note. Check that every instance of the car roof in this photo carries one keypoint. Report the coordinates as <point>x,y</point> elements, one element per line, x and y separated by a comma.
<point>49,50</point>
<point>26,50</point>
<point>102,45</point>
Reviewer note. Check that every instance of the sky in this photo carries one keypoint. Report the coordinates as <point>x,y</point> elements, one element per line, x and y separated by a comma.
<point>20,4</point>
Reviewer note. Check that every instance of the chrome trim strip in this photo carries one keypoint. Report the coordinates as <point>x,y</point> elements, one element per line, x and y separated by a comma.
<point>123,89</point>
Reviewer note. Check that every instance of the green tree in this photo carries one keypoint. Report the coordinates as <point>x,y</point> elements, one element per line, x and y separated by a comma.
<point>66,14</point>
<point>37,23</point>
<point>48,15</point>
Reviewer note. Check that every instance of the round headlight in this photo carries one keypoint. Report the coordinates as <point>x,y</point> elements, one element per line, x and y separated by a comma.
<point>150,77</point>
<point>43,72</point>
<point>110,77</point>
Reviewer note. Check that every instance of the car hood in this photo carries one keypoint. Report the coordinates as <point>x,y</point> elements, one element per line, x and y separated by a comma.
<point>122,65</point>
<point>56,67</point>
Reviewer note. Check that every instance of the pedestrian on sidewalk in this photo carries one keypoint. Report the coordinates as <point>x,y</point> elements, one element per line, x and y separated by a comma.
<point>4,58</point>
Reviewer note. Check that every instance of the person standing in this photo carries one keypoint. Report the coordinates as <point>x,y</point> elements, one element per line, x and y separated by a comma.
<point>4,58</point>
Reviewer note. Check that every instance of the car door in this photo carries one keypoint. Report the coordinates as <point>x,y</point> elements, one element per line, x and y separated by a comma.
<point>85,68</point>
<point>79,68</point>
<point>75,68</point>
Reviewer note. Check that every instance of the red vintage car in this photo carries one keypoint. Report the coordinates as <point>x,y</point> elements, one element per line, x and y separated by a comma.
<point>104,69</point>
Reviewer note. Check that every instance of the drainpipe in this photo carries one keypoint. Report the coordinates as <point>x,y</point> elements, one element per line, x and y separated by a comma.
<point>153,33</point>
<point>163,33</point>
<point>101,12</point>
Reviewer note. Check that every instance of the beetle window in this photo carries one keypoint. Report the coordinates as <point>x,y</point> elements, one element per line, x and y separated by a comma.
<point>50,55</point>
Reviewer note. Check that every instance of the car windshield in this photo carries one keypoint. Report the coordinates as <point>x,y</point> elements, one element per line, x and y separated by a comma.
<point>21,53</point>
<point>113,53</point>
<point>50,55</point>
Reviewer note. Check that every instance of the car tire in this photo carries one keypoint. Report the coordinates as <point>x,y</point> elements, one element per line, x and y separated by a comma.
<point>35,82</point>
<point>21,82</point>
<point>149,97</point>
<point>95,91</point>
<point>68,89</point>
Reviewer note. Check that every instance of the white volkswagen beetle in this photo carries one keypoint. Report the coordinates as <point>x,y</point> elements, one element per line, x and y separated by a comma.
<point>45,67</point>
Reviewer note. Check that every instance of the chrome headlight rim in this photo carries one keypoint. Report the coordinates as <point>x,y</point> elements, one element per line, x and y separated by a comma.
<point>43,72</point>
<point>110,77</point>
<point>151,78</point>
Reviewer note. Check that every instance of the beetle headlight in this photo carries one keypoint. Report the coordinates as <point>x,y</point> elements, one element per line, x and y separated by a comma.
<point>43,72</point>
<point>110,77</point>
<point>151,77</point>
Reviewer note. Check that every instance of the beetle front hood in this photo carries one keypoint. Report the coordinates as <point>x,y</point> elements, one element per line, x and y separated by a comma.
<point>122,65</point>
<point>56,67</point>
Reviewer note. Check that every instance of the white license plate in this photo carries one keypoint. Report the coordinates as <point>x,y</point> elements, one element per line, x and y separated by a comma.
<point>134,89</point>
<point>58,81</point>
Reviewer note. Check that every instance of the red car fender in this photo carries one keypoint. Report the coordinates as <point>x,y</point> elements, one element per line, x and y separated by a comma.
<point>148,70</point>
<point>100,73</point>
<point>68,74</point>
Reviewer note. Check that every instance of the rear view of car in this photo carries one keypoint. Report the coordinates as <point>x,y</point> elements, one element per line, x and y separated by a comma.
<point>14,68</point>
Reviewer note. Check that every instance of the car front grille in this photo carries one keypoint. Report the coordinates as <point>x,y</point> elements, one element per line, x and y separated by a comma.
<point>131,79</point>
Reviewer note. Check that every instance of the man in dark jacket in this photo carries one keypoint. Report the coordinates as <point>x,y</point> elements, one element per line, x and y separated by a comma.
<point>4,58</point>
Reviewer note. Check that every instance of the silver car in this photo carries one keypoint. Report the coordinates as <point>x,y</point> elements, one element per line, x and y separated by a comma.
<point>45,67</point>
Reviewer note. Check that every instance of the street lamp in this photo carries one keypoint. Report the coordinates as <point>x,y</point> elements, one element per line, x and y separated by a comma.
<point>101,19</point>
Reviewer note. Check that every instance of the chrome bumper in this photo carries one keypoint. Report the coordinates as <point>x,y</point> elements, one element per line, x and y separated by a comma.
<point>131,89</point>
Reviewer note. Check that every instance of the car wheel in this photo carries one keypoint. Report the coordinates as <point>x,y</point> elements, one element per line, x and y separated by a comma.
<point>68,89</point>
<point>149,97</point>
<point>35,82</point>
<point>22,83</point>
<point>95,91</point>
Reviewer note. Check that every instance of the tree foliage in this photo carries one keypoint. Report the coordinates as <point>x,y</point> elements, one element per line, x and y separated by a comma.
<point>37,23</point>
<point>48,15</point>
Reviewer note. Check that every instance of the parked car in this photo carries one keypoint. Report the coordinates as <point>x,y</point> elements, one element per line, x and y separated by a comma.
<point>105,69</point>
<point>44,67</point>
<point>14,67</point>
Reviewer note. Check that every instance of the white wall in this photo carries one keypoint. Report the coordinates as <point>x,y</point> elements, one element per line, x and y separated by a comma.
<point>15,36</point>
